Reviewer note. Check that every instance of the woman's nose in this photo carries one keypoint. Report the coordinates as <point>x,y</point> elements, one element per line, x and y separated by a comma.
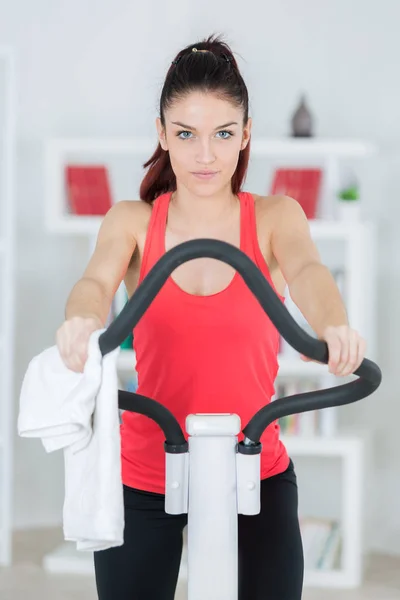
<point>205,154</point>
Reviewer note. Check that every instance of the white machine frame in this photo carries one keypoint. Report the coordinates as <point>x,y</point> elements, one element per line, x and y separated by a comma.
<point>212,483</point>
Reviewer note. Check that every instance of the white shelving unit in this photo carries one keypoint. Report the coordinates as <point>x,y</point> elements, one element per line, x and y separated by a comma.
<point>350,449</point>
<point>328,153</point>
<point>355,245</point>
<point>7,202</point>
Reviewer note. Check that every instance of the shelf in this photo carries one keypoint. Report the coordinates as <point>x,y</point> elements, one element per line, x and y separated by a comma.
<point>89,225</point>
<point>288,367</point>
<point>338,445</point>
<point>321,147</point>
<point>119,145</point>
<point>295,367</point>
<point>75,225</point>
<point>338,579</point>
<point>66,559</point>
<point>324,229</point>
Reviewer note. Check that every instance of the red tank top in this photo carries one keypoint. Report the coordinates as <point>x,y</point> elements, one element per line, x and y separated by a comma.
<point>201,354</point>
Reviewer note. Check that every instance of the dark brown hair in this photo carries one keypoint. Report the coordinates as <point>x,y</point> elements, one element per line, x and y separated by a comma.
<point>213,71</point>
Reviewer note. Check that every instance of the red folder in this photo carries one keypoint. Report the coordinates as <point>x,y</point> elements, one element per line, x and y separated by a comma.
<point>88,189</point>
<point>301,184</point>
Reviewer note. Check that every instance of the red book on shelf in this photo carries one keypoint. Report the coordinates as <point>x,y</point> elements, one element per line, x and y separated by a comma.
<point>301,184</point>
<point>88,189</point>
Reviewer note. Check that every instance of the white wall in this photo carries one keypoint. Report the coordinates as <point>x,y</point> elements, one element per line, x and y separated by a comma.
<point>95,67</point>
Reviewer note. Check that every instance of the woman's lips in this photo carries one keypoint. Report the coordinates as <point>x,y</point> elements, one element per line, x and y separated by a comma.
<point>205,174</point>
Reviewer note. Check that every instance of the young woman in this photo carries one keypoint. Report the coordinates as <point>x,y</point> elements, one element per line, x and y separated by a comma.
<point>205,345</point>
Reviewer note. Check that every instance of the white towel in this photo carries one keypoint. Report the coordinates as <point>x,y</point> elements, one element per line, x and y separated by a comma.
<point>78,412</point>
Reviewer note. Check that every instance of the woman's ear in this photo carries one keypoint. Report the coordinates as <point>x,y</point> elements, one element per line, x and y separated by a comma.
<point>246,133</point>
<point>161,134</point>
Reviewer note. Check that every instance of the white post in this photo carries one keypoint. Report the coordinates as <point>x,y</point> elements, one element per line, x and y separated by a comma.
<point>7,287</point>
<point>328,203</point>
<point>352,513</point>
<point>212,511</point>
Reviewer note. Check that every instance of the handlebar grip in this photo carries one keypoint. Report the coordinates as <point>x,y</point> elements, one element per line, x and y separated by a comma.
<point>143,405</point>
<point>369,381</point>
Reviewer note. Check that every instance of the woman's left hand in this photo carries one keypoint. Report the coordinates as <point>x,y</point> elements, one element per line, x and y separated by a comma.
<point>346,350</point>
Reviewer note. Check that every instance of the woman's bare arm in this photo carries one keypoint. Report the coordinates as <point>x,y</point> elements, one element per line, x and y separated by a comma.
<point>311,284</point>
<point>92,295</point>
<point>314,289</point>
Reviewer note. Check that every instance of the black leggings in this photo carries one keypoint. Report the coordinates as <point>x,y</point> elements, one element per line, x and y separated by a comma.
<point>146,567</point>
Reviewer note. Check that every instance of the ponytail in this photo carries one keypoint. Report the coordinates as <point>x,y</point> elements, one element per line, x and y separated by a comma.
<point>159,178</point>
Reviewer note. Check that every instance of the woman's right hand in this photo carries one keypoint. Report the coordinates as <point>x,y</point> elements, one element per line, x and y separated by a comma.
<point>73,340</point>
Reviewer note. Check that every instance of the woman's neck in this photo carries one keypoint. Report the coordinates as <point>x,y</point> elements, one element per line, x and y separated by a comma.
<point>198,212</point>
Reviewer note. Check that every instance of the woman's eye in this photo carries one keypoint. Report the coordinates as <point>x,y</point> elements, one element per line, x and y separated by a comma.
<point>229,134</point>
<point>183,137</point>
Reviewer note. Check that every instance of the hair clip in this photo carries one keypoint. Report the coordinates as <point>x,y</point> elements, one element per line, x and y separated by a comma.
<point>175,62</point>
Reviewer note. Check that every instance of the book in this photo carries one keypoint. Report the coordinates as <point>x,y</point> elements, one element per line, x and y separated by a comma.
<point>302,184</point>
<point>321,539</point>
<point>305,424</point>
<point>88,189</point>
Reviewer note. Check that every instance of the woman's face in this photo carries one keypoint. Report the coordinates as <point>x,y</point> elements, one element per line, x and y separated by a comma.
<point>204,135</point>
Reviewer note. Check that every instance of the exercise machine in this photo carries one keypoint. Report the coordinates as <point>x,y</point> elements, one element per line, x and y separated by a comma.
<point>211,476</point>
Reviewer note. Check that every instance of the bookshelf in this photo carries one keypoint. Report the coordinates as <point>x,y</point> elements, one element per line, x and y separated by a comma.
<point>58,151</point>
<point>7,253</point>
<point>349,247</point>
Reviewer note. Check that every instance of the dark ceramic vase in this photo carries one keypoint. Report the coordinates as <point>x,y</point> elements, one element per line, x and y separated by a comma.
<point>302,121</point>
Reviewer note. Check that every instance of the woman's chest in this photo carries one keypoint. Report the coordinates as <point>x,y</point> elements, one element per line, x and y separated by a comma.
<point>206,276</point>
<point>233,320</point>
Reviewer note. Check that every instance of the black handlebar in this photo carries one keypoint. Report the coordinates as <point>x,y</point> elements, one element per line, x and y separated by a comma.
<point>369,373</point>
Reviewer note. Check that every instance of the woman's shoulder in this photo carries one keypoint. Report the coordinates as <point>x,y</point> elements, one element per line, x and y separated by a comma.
<point>274,212</point>
<point>125,207</point>
<point>132,208</point>
<point>273,201</point>
<point>130,215</point>
<point>274,206</point>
